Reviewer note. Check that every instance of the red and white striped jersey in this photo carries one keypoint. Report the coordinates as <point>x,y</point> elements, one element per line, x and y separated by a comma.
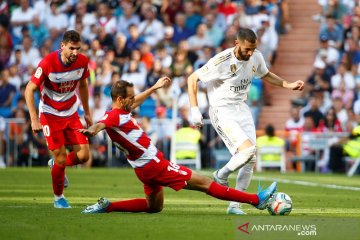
<point>58,82</point>
<point>129,137</point>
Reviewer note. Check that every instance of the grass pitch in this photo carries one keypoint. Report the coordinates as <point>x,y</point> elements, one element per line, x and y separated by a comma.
<point>27,212</point>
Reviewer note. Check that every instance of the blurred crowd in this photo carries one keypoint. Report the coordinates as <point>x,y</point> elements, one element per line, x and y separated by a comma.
<point>331,100</point>
<point>137,41</point>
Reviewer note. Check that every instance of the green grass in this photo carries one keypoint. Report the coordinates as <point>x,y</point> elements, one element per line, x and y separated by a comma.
<point>26,210</point>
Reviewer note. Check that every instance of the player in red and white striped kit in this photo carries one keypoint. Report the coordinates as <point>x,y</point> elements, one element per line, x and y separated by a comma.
<point>57,77</point>
<point>149,163</point>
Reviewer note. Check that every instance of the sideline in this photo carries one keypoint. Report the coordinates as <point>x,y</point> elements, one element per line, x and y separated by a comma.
<point>304,183</point>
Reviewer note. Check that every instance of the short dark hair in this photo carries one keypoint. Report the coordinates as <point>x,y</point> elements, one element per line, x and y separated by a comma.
<point>270,130</point>
<point>119,89</point>
<point>246,34</point>
<point>71,36</point>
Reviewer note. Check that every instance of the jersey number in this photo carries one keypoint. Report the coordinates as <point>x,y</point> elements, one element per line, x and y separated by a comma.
<point>46,130</point>
<point>173,167</point>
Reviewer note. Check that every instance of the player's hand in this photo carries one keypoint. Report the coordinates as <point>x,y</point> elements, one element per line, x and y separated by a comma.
<point>87,132</point>
<point>162,82</point>
<point>36,125</point>
<point>298,85</point>
<point>196,117</point>
<point>88,120</point>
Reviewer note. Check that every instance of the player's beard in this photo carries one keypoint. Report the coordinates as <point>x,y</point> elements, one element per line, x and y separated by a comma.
<point>72,58</point>
<point>244,57</point>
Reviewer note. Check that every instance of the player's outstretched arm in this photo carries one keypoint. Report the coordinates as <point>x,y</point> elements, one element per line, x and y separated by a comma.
<point>278,81</point>
<point>93,130</point>
<point>140,98</point>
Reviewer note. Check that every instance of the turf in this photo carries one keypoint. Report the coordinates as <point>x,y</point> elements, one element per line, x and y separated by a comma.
<point>26,210</point>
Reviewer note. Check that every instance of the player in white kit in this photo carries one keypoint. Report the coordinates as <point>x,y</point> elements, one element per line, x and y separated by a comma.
<point>228,76</point>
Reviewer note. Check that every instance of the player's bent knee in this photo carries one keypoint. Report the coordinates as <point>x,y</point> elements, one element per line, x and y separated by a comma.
<point>241,158</point>
<point>155,209</point>
<point>83,156</point>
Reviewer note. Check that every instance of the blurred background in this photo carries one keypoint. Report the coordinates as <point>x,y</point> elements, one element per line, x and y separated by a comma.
<point>139,41</point>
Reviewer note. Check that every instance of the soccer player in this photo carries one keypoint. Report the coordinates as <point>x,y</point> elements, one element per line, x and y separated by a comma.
<point>57,76</point>
<point>228,77</point>
<point>149,163</point>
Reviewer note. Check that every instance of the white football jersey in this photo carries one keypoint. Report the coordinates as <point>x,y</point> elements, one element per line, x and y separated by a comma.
<point>228,79</point>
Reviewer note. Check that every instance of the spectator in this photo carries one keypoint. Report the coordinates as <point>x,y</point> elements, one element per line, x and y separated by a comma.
<point>20,17</point>
<point>38,32</point>
<point>314,111</point>
<point>332,31</point>
<point>85,18</point>
<point>270,140</point>
<point>134,40</point>
<point>6,44</point>
<point>170,10</point>
<point>106,19</point>
<point>163,128</point>
<point>136,75</point>
<point>345,147</point>
<point>214,32</point>
<point>200,40</point>
<point>147,58</point>
<point>126,19</point>
<point>193,19</point>
<point>151,28</point>
<point>181,32</point>
<point>56,20</point>
<point>343,86</point>
<point>187,134</point>
<point>7,92</point>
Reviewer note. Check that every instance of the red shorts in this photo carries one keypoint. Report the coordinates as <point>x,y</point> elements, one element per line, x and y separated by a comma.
<point>155,175</point>
<point>62,131</point>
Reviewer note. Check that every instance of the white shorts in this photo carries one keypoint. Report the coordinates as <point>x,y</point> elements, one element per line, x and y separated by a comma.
<point>234,124</point>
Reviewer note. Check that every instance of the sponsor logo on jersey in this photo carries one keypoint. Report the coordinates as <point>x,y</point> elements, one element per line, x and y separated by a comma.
<point>244,83</point>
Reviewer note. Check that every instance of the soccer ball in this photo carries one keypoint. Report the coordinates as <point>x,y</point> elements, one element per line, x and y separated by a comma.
<point>280,204</point>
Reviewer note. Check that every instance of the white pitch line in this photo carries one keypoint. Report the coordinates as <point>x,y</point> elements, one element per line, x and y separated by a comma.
<point>304,183</point>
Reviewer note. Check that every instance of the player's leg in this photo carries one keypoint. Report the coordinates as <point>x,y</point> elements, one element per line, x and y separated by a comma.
<point>245,173</point>
<point>80,144</point>
<point>226,123</point>
<point>58,176</point>
<point>204,184</point>
<point>153,203</point>
<point>79,154</point>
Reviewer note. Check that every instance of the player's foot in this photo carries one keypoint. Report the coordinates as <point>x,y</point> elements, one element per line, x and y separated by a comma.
<point>220,181</point>
<point>235,211</point>
<point>99,207</point>
<point>61,203</point>
<point>66,180</point>
<point>265,195</point>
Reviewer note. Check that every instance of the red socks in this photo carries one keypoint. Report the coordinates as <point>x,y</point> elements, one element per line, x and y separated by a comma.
<point>71,159</point>
<point>58,174</point>
<point>133,205</point>
<point>224,193</point>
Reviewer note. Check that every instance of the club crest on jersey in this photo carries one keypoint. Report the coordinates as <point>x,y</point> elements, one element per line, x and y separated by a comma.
<point>233,69</point>
<point>253,69</point>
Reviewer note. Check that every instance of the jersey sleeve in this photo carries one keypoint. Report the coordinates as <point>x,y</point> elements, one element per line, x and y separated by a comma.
<point>262,69</point>
<point>208,72</point>
<point>110,119</point>
<point>40,73</point>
